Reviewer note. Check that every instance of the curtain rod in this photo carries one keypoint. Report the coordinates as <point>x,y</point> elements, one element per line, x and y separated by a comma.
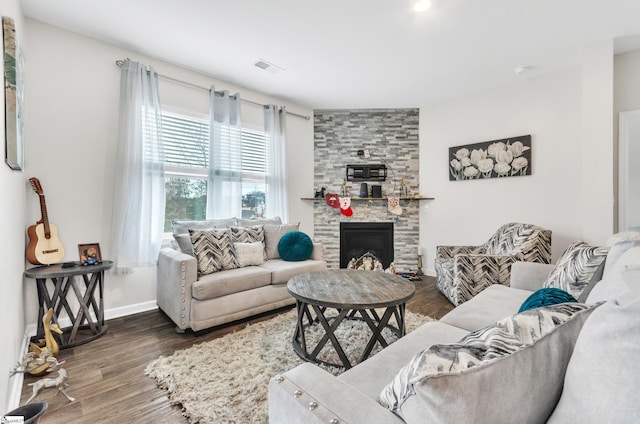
<point>120,62</point>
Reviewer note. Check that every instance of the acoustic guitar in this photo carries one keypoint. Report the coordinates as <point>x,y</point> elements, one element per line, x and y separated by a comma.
<point>44,246</point>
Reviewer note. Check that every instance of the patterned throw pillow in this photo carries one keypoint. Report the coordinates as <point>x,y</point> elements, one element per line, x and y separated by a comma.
<point>214,250</point>
<point>184,241</point>
<point>519,362</point>
<point>253,234</point>
<point>576,267</point>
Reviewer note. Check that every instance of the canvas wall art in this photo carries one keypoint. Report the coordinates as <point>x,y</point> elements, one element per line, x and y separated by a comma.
<point>13,95</point>
<point>508,157</point>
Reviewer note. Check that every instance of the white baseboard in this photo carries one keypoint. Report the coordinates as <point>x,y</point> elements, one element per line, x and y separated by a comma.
<point>130,310</point>
<point>122,311</point>
<point>18,379</point>
<point>30,331</point>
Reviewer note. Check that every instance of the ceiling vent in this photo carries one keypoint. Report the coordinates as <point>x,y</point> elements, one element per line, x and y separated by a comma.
<point>268,66</point>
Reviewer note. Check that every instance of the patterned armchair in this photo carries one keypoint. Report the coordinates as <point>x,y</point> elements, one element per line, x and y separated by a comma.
<point>464,271</point>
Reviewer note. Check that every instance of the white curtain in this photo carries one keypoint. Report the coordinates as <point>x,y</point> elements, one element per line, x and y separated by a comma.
<point>224,188</point>
<point>138,202</point>
<point>276,140</point>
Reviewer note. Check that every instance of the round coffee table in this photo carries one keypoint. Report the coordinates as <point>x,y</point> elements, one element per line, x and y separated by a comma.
<point>351,293</point>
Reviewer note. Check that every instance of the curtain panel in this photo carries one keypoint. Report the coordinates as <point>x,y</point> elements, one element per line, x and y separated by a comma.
<point>139,197</point>
<point>224,188</point>
<point>277,201</point>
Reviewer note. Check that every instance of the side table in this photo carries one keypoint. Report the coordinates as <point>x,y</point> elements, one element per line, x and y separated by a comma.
<point>88,295</point>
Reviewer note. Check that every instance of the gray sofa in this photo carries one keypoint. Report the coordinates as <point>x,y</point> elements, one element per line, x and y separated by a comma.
<point>200,302</point>
<point>590,378</point>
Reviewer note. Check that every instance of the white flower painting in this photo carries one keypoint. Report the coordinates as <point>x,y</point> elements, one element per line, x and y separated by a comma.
<point>510,157</point>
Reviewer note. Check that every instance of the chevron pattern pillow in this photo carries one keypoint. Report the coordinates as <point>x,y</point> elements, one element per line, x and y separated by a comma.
<point>253,234</point>
<point>213,250</point>
<point>519,362</point>
<point>576,267</point>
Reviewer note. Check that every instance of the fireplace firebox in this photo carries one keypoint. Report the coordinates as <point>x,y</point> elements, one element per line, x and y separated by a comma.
<point>358,238</point>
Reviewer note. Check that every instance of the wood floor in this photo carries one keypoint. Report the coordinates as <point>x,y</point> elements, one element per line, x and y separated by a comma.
<point>106,376</point>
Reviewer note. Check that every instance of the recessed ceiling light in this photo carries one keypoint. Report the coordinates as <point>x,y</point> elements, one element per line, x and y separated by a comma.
<point>422,5</point>
<point>521,69</point>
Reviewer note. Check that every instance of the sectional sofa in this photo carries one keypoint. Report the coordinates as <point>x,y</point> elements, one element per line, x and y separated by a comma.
<point>565,363</point>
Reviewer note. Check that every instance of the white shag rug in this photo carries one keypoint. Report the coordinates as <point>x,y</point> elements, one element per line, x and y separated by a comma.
<point>226,380</point>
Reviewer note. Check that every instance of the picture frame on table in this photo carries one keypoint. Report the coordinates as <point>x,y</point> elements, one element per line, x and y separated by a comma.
<point>89,254</point>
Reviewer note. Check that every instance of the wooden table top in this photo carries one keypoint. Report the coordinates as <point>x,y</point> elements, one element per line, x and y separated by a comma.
<point>350,288</point>
<point>56,270</point>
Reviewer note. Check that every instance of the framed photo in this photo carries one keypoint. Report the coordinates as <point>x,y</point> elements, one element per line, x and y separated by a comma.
<point>89,254</point>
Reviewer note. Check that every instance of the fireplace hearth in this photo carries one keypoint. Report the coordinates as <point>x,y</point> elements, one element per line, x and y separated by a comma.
<point>360,238</point>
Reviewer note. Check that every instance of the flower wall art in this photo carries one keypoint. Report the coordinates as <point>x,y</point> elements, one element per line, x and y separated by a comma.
<point>509,157</point>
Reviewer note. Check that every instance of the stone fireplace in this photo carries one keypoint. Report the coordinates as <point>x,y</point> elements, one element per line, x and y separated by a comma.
<point>389,137</point>
<point>359,238</point>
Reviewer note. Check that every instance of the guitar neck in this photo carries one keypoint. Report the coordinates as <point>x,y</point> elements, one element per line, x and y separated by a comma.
<point>45,217</point>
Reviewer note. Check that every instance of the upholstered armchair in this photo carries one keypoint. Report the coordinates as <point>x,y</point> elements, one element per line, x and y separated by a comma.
<point>464,271</point>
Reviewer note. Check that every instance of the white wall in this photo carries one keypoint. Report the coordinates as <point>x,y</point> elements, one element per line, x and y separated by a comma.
<point>72,113</point>
<point>570,117</point>
<point>14,188</point>
<point>468,212</point>
<point>596,143</point>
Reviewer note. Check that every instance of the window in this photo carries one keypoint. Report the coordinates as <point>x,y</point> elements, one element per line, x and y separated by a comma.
<point>186,157</point>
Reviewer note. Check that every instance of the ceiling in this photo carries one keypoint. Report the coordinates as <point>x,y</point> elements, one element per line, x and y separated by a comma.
<point>356,53</point>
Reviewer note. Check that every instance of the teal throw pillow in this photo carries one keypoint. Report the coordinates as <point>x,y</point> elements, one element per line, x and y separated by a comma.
<point>546,297</point>
<point>295,246</point>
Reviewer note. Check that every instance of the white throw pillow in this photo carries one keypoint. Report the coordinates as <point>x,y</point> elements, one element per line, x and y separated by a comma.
<point>616,276</point>
<point>251,234</point>
<point>511,372</point>
<point>249,253</point>
<point>601,382</point>
<point>619,278</point>
<point>618,244</point>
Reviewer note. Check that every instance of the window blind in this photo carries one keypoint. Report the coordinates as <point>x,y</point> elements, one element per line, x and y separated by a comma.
<point>185,140</point>
<point>186,144</point>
